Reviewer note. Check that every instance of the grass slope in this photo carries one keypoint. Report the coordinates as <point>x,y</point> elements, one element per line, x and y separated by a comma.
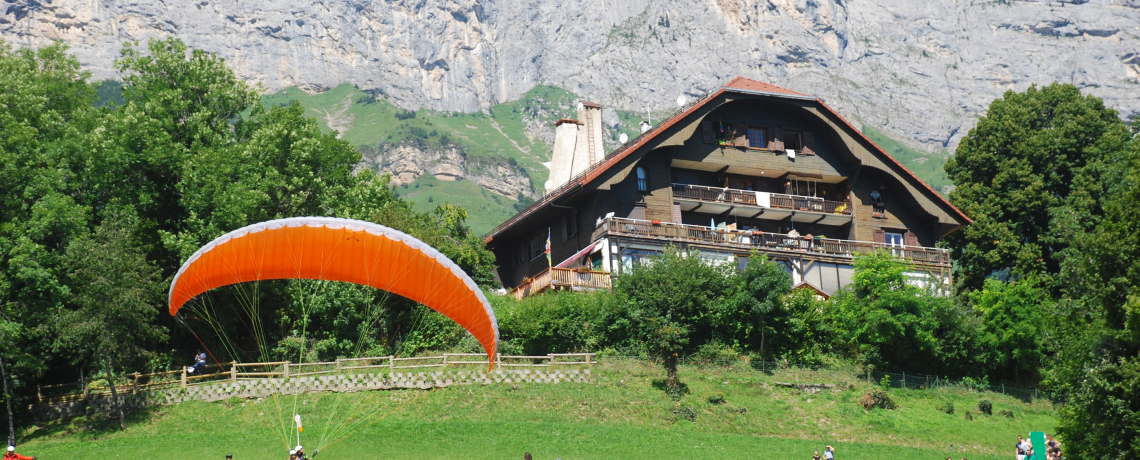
<point>499,135</point>
<point>926,166</point>
<point>624,415</point>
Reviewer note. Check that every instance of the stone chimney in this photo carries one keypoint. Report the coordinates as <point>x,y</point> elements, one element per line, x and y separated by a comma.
<point>577,144</point>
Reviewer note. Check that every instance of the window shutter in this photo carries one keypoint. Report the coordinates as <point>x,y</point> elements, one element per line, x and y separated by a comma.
<point>742,137</point>
<point>910,239</point>
<point>677,213</point>
<point>880,236</point>
<point>777,143</point>
<point>809,143</point>
<point>707,132</point>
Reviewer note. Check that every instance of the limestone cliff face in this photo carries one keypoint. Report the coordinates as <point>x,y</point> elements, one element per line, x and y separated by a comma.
<point>407,162</point>
<point>921,70</point>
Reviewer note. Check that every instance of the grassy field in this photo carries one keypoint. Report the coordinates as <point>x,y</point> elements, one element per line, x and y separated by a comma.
<point>626,414</point>
<point>927,166</point>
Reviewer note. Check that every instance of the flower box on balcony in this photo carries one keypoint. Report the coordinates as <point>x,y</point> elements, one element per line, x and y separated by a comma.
<point>655,222</point>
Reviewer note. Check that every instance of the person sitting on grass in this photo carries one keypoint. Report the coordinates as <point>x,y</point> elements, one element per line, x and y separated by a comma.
<point>816,456</point>
<point>12,455</point>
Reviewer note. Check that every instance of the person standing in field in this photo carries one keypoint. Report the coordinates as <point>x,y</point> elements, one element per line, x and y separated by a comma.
<point>816,456</point>
<point>829,453</point>
<point>12,455</point>
<point>1020,448</point>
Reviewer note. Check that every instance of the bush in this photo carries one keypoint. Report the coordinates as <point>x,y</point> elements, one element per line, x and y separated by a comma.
<point>1006,413</point>
<point>947,407</point>
<point>715,353</point>
<point>986,407</point>
<point>716,398</point>
<point>877,398</point>
<point>684,413</point>
<point>405,114</point>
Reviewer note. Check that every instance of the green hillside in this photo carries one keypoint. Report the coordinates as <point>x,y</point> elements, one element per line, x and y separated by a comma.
<point>926,166</point>
<point>497,135</point>
<point>624,415</point>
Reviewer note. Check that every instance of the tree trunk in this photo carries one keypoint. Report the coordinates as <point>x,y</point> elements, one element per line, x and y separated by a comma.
<point>116,405</point>
<point>671,373</point>
<point>8,400</point>
<point>762,328</point>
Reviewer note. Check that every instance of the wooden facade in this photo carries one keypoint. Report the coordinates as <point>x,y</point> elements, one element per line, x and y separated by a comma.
<point>750,167</point>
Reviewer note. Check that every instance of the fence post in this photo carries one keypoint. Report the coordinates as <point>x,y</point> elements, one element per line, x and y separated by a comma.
<point>1003,388</point>
<point>391,366</point>
<point>338,363</point>
<point>183,376</point>
<point>233,371</point>
<point>445,360</point>
<point>136,388</point>
<point>499,360</point>
<point>904,380</point>
<point>39,393</point>
<point>286,369</point>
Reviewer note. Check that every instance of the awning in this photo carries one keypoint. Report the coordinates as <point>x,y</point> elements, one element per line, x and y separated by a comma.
<point>578,255</point>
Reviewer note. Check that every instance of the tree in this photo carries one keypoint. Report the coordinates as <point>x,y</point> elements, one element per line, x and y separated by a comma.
<point>1013,318</point>
<point>881,319</point>
<point>671,299</point>
<point>1029,174</point>
<point>115,294</point>
<point>755,309</point>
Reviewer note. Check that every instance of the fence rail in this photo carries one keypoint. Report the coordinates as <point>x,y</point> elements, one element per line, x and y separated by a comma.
<point>133,383</point>
<point>749,198</point>
<point>764,241</point>
<point>562,278</point>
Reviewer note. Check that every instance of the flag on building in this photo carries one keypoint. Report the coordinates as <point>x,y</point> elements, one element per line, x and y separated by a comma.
<point>549,262</point>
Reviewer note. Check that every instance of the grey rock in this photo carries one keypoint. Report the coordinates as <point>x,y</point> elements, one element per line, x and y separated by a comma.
<point>920,70</point>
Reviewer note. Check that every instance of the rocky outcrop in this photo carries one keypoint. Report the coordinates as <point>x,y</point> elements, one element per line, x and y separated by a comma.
<point>407,162</point>
<point>920,70</point>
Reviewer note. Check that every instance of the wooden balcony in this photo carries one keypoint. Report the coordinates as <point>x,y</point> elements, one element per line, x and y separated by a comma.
<point>746,203</point>
<point>746,240</point>
<point>562,279</point>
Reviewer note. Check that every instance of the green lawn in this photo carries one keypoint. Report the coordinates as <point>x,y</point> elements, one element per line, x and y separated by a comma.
<point>927,166</point>
<point>624,415</point>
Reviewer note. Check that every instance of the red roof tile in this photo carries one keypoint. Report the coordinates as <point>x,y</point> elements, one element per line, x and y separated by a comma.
<point>748,84</point>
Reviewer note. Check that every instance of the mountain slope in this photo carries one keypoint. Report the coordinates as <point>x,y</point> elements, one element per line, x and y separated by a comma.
<point>917,71</point>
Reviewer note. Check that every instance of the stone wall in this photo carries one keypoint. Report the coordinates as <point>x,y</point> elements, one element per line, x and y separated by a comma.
<point>260,388</point>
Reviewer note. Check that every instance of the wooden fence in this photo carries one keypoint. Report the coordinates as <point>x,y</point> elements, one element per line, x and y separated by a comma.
<point>234,371</point>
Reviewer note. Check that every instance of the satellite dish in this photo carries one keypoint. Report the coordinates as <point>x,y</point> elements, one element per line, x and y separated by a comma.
<point>548,185</point>
<point>681,100</point>
<point>623,138</point>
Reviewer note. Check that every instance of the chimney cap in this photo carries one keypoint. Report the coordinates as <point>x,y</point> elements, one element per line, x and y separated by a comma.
<point>567,120</point>
<point>592,105</point>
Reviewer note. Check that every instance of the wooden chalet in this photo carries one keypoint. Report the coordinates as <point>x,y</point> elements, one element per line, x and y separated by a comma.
<point>749,167</point>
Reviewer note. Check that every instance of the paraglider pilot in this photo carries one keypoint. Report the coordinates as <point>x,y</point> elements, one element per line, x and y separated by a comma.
<point>12,455</point>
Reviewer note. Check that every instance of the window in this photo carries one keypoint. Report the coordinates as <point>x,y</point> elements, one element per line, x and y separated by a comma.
<point>538,246</point>
<point>570,225</point>
<point>757,138</point>
<point>894,239</point>
<point>793,140</point>
<point>642,180</point>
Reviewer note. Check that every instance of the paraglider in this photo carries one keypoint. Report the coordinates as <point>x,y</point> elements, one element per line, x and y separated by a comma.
<point>343,250</point>
<point>325,248</point>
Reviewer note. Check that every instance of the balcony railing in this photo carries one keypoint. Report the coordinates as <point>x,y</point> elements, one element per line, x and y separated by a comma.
<point>563,278</point>
<point>767,242</point>
<point>750,198</point>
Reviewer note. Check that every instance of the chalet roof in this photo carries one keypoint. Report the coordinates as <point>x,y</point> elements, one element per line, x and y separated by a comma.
<point>737,85</point>
<point>567,120</point>
<point>807,285</point>
<point>591,104</point>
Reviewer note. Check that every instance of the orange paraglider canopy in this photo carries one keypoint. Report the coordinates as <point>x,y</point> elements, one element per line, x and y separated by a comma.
<point>324,248</point>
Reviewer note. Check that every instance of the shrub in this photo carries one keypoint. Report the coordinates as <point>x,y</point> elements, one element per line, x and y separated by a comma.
<point>877,398</point>
<point>684,413</point>
<point>405,114</point>
<point>947,407</point>
<point>885,382</point>
<point>716,398</point>
<point>715,353</point>
<point>969,416</point>
<point>986,407</point>
<point>1006,413</point>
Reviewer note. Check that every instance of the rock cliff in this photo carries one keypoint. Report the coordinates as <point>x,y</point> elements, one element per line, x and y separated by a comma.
<point>919,70</point>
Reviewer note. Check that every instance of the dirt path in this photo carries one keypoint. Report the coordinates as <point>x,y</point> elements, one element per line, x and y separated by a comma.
<point>338,117</point>
<point>498,128</point>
